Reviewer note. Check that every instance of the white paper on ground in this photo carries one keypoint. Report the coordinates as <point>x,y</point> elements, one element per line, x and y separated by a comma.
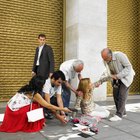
<point>80,126</point>
<point>84,129</point>
<point>70,136</point>
<point>1,117</point>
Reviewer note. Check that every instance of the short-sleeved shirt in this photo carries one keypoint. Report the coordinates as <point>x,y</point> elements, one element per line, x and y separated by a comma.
<point>51,90</point>
<point>68,69</point>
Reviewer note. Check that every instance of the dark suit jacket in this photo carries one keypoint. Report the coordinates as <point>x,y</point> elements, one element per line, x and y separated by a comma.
<point>46,62</point>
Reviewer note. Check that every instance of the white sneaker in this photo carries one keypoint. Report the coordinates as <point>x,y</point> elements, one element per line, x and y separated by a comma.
<point>115,118</point>
<point>125,115</point>
<point>77,108</point>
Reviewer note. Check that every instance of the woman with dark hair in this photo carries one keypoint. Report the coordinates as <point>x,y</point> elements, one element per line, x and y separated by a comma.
<point>15,118</point>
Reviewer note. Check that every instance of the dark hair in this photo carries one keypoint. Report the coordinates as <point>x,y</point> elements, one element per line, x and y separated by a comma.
<point>58,74</point>
<point>42,35</point>
<point>35,85</point>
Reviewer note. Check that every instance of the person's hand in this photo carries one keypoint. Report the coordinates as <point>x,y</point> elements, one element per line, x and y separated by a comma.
<point>79,93</point>
<point>65,109</point>
<point>62,113</point>
<point>62,118</point>
<point>97,84</point>
<point>114,77</point>
<point>33,73</point>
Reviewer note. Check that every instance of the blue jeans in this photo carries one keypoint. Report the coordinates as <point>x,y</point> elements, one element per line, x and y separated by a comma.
<point>66,93</point>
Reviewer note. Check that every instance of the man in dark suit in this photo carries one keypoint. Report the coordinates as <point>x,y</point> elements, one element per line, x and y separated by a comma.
<point>44,59</point>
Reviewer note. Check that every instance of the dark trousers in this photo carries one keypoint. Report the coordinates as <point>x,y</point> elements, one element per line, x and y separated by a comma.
<point>36,70</point>
<point>66,93</point>
<point>120,94</point>
<point>53,101</point>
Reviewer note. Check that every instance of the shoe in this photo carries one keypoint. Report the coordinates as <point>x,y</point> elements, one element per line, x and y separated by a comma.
<point>125,115</point>
<point>115,118</point>
<point>78,108</point>
<point>48,116</point>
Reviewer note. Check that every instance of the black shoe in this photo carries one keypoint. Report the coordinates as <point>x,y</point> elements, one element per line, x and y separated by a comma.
<point>48,116</point>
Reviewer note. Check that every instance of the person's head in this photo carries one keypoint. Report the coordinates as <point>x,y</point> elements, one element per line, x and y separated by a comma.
<point>35,85</point>
<point>41,39</point>
<point>78,65</point>
<point>106,54</point>
<point>57,78</point>
<point>84,85</point>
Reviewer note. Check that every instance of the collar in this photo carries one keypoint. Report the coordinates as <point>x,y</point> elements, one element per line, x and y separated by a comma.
<point>113,57</point>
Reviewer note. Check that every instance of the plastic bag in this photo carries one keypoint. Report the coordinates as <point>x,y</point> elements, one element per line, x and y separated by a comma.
<point>89,120</point>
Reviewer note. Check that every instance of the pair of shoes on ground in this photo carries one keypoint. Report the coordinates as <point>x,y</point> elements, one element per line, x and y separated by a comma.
<point>116,118</point>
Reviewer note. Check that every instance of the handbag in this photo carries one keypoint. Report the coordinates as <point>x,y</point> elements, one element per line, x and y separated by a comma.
<point>36,114</point>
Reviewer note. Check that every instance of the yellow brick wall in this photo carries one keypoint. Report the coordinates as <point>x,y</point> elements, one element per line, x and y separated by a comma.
<point>20,23</point>
<point>123,34</point>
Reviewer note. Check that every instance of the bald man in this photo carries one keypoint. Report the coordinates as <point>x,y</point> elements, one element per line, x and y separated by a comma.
<point>120,70</point>
<point>71,69</point>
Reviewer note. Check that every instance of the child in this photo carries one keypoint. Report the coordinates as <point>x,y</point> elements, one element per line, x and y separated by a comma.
<point>86,101</point>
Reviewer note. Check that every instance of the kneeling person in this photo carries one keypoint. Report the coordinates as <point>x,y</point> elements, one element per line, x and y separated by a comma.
<point>52,92</point>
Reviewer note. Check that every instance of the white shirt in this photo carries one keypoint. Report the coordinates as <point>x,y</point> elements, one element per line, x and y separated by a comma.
<point>39,53</point>
<point>48,89</point>
<point>68,70</point>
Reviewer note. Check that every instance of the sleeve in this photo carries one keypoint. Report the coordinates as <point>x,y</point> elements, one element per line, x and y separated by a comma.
<point>51,59</point>
<point>35,59</point>
<point>46,88</point>
<point>59,90</point>
<point>65,72</point>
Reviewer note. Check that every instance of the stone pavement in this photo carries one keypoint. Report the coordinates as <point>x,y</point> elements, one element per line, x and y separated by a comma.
<point>127,129</point>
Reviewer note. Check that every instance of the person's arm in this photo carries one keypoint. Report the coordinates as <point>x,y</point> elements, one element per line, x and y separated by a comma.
<point>34,63</point>
<point>61,118</point>
<point>42,102</point>
<point>60,102</point>
<point>71,87</point>
<point>79,76</point>
<point>51,60</point>
<point>52,107</point>
<point>106,76</point>
<point>47,97</point>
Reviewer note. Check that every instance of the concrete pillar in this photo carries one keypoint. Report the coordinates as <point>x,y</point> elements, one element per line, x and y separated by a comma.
<point>86,36</point>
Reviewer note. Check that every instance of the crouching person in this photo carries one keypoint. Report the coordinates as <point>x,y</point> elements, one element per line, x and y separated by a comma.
<point>52,92</point>
<point>15,118</point>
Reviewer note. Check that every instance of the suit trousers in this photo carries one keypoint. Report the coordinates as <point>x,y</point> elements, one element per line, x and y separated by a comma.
<point>120,94</point>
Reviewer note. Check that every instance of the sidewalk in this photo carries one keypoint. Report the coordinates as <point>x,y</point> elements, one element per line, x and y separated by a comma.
<point>127,129</point>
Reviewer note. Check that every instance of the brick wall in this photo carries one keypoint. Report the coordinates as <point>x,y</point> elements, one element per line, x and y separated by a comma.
<point>20,23</point>
<point>123,34</point>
